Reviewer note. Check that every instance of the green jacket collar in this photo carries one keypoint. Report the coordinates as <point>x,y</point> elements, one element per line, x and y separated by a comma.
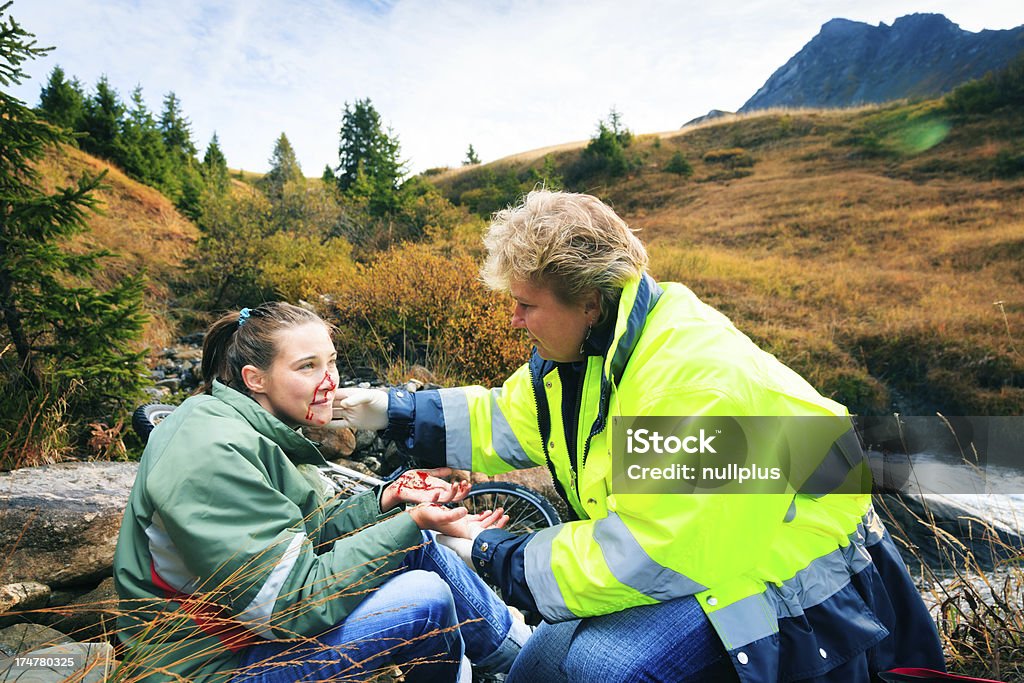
<point>298,448</point>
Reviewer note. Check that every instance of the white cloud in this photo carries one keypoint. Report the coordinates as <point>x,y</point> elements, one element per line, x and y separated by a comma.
<point>505,76</point>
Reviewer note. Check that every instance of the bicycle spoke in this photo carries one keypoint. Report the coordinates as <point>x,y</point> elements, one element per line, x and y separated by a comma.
<point>526,514</point>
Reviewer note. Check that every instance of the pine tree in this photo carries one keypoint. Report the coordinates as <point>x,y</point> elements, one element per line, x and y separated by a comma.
<point>328,176</point>
<point>70,339</point>
<point>471,157</point>
<point>102,121</point>
<point>548,176</point>
<point>678,165</point>
<point>284,169</point>
<point>618,128</point>
<point>605,153</point>
<point>177,134</point>
<point>369,168</point>
<point>143,154</point>
<point>215,168</point>
<point>176,130</point>
<point>62,102</point>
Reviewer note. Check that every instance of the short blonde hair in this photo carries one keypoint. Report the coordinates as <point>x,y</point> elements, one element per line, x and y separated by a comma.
<point>570,243</point>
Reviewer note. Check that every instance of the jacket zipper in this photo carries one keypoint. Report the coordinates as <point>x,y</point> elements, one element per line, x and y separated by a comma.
<point>535,383</point>
<point>576,463</point>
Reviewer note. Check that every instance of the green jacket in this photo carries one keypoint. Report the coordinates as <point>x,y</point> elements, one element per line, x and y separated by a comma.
<point>230,538</point>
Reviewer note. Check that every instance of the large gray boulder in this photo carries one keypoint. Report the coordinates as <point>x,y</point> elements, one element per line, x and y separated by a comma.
<point>59,523</point>
<point>943,530</point>
<point>28,637</point>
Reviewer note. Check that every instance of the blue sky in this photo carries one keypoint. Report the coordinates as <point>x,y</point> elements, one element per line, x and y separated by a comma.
<point>504,76</point>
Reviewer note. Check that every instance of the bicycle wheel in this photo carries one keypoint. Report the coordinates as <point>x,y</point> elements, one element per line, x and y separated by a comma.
<point>527,510</point>
<point>147,417</point>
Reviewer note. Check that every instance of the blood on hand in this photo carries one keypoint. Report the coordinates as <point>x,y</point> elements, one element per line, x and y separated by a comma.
<point>414,480</point>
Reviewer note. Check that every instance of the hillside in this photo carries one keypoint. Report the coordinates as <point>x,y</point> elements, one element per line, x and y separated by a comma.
<point>851,63</point>
<point>877,251</point>
<point>137,223</point>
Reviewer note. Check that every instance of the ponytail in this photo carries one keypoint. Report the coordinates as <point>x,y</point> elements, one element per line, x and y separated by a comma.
<point>248,337</point>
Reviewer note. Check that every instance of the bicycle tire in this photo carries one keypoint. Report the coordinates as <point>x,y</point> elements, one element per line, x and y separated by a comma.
<point>528,511</point>
<point>148,416</point>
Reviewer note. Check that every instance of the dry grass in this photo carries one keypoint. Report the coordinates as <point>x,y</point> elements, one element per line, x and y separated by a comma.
<point>243,176</point>
<point>873,268</point>
<point>973,583</point>
<point>418,306</point>
<point>138,224</point>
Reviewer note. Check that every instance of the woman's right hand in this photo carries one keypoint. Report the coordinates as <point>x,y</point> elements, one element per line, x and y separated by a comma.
<point>360,408</point>
<point>423,486</point>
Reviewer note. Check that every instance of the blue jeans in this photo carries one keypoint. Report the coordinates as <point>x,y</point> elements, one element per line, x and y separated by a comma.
<point>425,619</point>
<point>670,641</point>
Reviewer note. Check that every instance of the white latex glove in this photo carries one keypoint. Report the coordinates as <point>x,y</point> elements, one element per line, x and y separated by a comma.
<point>463,547</point>
<point>360,409</point>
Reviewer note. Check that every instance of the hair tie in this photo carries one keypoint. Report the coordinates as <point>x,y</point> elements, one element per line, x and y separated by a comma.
<point>243,315</point>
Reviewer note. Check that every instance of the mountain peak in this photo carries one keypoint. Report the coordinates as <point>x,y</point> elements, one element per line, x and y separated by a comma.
<point>928,19</point>
<point>833,26</point>
<point>850,63</point>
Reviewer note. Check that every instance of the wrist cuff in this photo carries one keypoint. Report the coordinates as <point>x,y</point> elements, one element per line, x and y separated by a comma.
<point>401,416</point>
<point>484,546</point>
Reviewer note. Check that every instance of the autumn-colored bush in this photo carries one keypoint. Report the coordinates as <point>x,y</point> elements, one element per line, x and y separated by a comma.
<point>298,267</point>
<point>733,157</point>
<point>415,305</point>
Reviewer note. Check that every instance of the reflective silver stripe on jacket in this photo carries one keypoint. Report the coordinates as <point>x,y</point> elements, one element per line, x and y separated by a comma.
<point>830,476</point>
<point>257,614</point>
<point>870,531</point>
<point>633,567</point>
<point>818,581</point>
<point>504,441</point>
<point>745,621</point>
<point>540,577</point>
<point>457,437</point>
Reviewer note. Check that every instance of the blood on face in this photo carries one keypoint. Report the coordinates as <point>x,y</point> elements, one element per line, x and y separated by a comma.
<point>327,385</point>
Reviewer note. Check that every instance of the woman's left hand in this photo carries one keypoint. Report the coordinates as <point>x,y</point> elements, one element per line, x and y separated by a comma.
<point>458,534</point>
<point>423,486</point>
<point>470,526</point>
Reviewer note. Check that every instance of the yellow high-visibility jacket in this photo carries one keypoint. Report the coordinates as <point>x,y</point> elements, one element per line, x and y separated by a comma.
<point>753,561</point>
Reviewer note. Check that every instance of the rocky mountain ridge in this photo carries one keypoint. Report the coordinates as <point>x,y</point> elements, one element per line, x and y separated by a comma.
<point>851,63</point>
